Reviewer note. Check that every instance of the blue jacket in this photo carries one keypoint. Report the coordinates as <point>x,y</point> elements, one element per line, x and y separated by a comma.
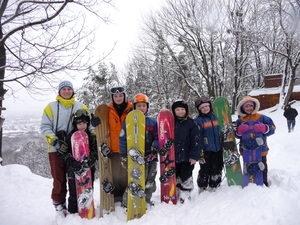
<point>186,140</point>
<point>209,130</point>
<point>150,138</point>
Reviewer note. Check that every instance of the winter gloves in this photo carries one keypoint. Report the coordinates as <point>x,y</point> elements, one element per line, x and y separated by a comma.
<point>258,128</point>
<point>95,121</point>
<point>243,128</point>
<point>152,155</point>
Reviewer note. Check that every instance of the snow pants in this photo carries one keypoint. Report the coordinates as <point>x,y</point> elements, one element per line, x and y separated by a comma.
<point>59,174</point>
<point>184,176</point>
<point>210,173</point>
<point>119,176</point>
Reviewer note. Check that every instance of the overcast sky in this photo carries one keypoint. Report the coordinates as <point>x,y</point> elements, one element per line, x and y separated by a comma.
<point>124,31</point>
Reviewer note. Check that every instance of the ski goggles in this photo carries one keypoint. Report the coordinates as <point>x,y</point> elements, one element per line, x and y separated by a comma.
<point>201,100</point>
<point>80,113</point>
<point>116,90</point>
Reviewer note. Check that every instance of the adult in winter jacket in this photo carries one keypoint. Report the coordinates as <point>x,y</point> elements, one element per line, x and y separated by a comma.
<point>211,160</point>
<point>187,149</point>
<point>141,102</point>
<point>118,110</point>
<point>248,111</point>
<point>290,114</point>
<point>56,119</point>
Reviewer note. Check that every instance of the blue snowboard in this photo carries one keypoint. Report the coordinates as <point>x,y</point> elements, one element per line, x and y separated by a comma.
<point>252,143</point>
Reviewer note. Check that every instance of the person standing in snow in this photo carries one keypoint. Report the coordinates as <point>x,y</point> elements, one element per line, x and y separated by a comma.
<point>118,111</point>
<point>56,120</point>
<point>211,160</point>
<point>290,114</point>
<point>81,122</point>
<point>141,102</point>
<point>248,110</point>
<point>187,149</point>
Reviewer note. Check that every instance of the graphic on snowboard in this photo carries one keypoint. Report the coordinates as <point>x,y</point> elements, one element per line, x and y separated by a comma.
<point>105,168</point>
<point>252,155</point>
<point>84,186</point>
<point>165,123</point>
<point>135,131</point>
<point>231,159</point>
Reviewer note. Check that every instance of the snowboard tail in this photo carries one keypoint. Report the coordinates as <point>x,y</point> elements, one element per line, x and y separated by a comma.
<point>135,130</point>
<point>83,180</point>
<point>233,168</point>
<point>165,122</point>
<point>105,168</point>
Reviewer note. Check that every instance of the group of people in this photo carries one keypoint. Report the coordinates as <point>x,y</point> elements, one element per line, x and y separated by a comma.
<point>195,140</point>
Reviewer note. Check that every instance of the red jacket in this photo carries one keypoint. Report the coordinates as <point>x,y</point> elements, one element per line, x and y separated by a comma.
<point>115,125</point>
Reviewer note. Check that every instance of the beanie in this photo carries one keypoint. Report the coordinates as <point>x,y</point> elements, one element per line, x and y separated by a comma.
<point>249,102</point>
<point>65,83</point>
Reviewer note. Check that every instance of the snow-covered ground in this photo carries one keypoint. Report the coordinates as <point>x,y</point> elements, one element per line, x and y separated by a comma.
<point>25,197</point>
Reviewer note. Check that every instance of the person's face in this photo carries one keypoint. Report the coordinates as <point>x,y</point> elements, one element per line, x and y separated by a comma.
<point>205,109</point>
<point>118,98</point>
<point>142,106</point>
<point>66,92</point>
<point>81,126</point>
<point>180,112</point>
<point>249,109</point>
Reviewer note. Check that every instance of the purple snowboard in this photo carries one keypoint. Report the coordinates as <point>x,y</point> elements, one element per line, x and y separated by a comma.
<point>251,143</point>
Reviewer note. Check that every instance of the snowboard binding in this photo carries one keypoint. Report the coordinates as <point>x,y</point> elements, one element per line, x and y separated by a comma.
<point>107,187</point>
<point>227,130</point>
<point>136,174</point>
<point>85,198</point>
<point>167,174</point>
<point>86,181</point>
<point>136,156</point>
<point>232,159</point>
<point>105,151</point>
<point>167,146</point>
<point>254,167</point>
<point>136,190</point>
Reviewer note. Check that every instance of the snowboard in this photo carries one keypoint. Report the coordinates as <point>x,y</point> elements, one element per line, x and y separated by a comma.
<point>233,170</point>
<point>251,144</point>
<point>165,123</point>
<point>135,131</point>
<point>84,185</point>
<point>105,168</point>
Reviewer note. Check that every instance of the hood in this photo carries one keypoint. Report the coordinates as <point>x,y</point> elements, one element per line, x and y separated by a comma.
<point>240,110</point>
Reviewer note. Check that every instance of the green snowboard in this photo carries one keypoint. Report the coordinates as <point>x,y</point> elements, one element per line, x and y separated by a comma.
<point>223,112</point>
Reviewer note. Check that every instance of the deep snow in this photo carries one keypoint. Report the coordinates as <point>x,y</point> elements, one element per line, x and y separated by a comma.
<point>25,197</point>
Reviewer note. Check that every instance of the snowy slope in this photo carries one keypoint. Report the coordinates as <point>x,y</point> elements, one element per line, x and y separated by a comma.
<point>25,197</point>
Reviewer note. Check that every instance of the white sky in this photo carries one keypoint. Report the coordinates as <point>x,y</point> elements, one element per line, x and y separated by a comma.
<point>124,31</point>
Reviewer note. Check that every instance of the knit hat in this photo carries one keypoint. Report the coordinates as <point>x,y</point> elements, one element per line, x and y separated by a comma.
<point>203,105</point>
<point>65,83</point>
<point>180,103</point>
<point>249,102</point>
<point>201,102</point>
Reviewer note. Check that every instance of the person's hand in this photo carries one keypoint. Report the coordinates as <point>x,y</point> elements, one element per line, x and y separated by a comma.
<point>95,121</point>
<point>260,128</point>
<point>192,161</point>
<point>242,129</point>
<point>60,145</point>
<point>152,155</point>
<point>202,159</point>
<point>73,164</point>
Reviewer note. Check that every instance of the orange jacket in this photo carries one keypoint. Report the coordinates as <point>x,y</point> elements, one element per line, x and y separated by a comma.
<point>115,125</point>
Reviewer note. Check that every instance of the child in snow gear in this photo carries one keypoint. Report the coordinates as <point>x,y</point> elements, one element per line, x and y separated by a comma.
<point>56,119</point>
<point>81,121</point>
<point>187,149</point>
<point>248,111</point>
<point>211,161</point>
<point>290,114</point>
<point>141,102</point>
